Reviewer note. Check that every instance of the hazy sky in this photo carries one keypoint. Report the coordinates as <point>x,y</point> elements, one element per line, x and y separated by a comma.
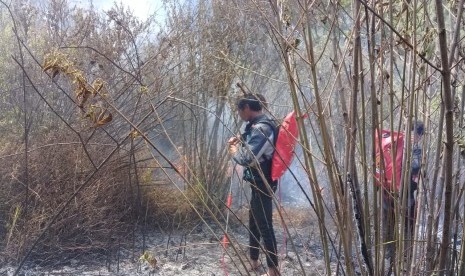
<point>141,8</point>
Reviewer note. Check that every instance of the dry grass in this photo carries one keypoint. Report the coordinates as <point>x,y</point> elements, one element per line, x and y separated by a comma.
<point>96,220</point>
<point>297,217</point>
<point>168,208</point>
<point>101,217</point>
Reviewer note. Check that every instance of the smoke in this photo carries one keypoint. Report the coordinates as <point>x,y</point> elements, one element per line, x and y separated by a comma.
<point>289,192</point>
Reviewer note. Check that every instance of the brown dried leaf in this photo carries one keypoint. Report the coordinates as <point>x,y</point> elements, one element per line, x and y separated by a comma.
<point>104,120</point>
<point>84,93</point>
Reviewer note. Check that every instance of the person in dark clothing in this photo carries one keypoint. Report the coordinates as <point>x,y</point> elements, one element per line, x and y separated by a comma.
<point>417,134</point>
<point>254,150</point>
<point>388,199</point>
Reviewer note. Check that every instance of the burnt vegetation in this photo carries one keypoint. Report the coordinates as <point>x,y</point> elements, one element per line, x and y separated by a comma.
<point>112,125</point>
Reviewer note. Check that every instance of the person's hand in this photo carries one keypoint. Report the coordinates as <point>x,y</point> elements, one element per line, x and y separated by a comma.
<point>232,149</point>
<point>233,140</point>
<point>233,145</point>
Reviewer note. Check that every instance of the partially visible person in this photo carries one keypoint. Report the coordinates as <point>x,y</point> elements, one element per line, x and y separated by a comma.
<point>418,130</point>
<point>254,150</point>
<point>388,197</point>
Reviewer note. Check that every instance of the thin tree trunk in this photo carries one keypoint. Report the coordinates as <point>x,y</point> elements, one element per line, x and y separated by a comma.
<point>430,229</point>
<point>443,266</point>
<point>352,135</point>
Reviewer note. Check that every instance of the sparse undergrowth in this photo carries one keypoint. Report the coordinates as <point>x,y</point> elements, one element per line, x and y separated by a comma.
<point>96,219</point>
<point>100,219</point>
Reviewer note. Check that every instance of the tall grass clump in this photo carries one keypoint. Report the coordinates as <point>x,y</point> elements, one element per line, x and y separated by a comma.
<point>97,219</point>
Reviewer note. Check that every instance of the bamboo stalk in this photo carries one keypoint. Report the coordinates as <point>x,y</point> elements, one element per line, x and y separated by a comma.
<point>309,164</point>
<point>461,268</point>
<point>308,159</point>
<point>421,195</point>
<point>340,198</point>
<point>378,264</point>
<point>352,130</point>
<point>392,225</point>
<point>443,266</point>
<point>381,224</point>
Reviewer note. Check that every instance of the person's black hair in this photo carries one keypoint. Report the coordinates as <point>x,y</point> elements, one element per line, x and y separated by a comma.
<point>418,127</point>
<point>251,100</point>
<point>262,100</point>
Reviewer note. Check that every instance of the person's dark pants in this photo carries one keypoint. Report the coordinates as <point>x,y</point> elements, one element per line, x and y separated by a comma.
<point>410,213</point>
<point>261,226</point>
<point>390,218</point>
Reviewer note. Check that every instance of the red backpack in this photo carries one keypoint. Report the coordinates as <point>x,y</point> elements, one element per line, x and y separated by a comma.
<point>286,140</point>
<point>389,141</point>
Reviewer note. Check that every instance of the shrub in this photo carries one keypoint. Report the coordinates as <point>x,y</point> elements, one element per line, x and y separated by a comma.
<point>96,220</point>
